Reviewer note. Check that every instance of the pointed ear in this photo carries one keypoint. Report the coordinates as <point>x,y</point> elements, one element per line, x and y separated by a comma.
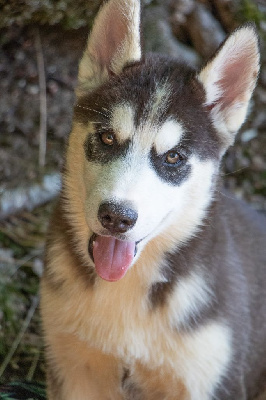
<point>114,41</point>
<point>229,79</point>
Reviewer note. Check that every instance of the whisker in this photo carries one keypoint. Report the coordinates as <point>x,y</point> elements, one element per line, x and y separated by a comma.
<point>92,122</point>
<point>225,195</point>
<point>237,170</point>
<point>92,109</point>
<point>104,108</point>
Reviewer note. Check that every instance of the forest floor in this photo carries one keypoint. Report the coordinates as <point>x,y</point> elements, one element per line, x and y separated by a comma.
<point>22,235</point>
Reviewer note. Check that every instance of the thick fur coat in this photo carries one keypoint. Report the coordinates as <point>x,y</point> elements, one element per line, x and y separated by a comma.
<point>154,285</point>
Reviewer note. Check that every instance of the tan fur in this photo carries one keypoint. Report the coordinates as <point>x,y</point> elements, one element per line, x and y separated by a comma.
<point>107,319</point>
<point>86,372</point>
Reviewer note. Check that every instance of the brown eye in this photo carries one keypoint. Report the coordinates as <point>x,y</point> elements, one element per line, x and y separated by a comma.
<point>173,157</point>
<point>108,138</point>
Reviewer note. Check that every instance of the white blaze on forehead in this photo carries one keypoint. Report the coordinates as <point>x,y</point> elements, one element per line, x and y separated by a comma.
<point>122,121</point>
<point>124,124</point>
<point>159,100</point>
<point>168,136</point>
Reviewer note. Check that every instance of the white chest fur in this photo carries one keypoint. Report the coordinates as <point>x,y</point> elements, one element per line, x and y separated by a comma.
<point>117,319</point>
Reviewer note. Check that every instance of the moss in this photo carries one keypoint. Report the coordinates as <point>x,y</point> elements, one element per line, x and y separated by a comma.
<point>251,12</point>
<point>70,14</point>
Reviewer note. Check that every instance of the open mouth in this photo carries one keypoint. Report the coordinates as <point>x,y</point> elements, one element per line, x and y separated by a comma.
<point>112,257</point>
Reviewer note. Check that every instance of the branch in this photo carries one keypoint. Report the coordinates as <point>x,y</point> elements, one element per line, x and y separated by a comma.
<point>22,331</point>
<point>43,101</point>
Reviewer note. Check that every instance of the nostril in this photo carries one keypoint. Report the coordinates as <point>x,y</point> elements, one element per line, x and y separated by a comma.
<point>107,218</point>
<point>117,217</point>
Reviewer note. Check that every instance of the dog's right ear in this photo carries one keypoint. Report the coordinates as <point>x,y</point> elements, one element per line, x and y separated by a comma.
<point>114,41</point>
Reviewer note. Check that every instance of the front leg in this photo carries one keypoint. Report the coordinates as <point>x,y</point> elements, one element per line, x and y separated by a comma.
<point>76,372</point>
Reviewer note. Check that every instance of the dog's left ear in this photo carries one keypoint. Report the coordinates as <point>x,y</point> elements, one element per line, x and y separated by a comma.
<point>229,79</point>
<point>114,41</point>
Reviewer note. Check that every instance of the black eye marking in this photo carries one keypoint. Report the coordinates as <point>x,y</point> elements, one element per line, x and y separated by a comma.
<point>172,167</point>
<point>102,146</point>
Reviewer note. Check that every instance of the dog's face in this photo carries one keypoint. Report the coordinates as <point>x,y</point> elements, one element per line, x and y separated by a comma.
<point>147,138</point>
<point>144,165</point>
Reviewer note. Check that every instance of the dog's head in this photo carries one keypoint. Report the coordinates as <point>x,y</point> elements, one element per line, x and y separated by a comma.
<point>148,136</point>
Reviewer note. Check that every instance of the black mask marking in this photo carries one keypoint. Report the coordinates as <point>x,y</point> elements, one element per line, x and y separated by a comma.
<point>99,152</point>
<point>174,174</point>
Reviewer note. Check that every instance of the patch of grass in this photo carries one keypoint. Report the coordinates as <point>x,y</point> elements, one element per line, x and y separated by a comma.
<point>250,11</point>
<point>21,248</point>
<point>71,15</point>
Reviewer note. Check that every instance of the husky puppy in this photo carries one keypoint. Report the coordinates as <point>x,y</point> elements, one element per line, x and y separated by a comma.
<point>155,282</point>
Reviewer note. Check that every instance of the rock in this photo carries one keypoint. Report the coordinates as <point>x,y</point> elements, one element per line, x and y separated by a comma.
<point>179,12</point>
<point>66,12</point>
<point>249,134</point>
<point>205,32</point>
<point>159,37</point>
<point>181,9</point>
<point>27,198</point>
<point>227,12</point>
<point>6,257</point>
<point>258,164</point>
<point>259,121</point>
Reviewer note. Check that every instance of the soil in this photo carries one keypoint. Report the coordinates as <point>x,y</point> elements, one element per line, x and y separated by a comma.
<point>20,100</point>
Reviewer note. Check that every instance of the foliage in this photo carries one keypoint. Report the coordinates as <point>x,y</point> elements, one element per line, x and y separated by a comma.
<point>23,391</point>
<point>251,12</point>
<point>66,12</point>
<point>22,240</point>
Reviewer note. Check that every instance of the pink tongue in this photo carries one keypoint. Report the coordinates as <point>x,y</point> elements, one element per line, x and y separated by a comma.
<point>112,257</point>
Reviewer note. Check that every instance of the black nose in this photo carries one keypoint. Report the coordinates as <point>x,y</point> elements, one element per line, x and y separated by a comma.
<point>117,217</point>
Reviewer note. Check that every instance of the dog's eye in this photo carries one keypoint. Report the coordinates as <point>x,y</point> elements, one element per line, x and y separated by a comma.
<point>108,138</point>
<point>173,157</point>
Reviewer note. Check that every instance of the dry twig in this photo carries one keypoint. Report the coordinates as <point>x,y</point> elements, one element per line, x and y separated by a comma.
<point>43,100</point>
<point>20,335</point>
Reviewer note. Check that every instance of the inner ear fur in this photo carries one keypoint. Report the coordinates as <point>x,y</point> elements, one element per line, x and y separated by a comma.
<point>113,42</point>
<point>229,79</point>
